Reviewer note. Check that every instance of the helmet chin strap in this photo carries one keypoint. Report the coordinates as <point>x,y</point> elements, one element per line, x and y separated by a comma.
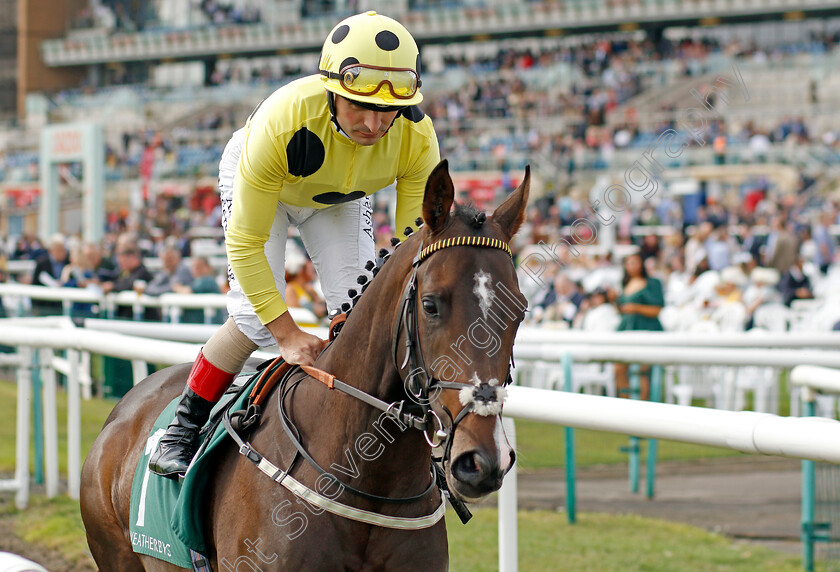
<point>331,105</point>
<point>370,106</point>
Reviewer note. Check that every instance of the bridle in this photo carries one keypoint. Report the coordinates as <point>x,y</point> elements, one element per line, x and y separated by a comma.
<point>418,384</point>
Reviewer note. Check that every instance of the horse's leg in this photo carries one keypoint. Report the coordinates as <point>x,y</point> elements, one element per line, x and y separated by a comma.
<point>106,532</point>
<point>109,469</point>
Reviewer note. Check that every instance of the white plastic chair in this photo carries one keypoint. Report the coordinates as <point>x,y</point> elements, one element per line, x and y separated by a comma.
<point>669,317</point>
<point>772,317</point>
<point>763,383</point>
<point>730,317</point>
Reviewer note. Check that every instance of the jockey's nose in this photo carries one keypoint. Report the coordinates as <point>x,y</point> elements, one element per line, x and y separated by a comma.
<point>372,121</point>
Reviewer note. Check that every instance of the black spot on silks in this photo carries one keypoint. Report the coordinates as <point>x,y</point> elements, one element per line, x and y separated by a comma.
<point>335,198</point>
<point>387,40</point>
<point>417,65</point>
<point>413,114</point>
<point>304,153</point>
<point>340,33</point>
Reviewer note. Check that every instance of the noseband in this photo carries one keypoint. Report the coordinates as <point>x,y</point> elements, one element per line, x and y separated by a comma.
<point>481,397</point>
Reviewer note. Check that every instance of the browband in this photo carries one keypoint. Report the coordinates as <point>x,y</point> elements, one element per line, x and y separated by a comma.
<point>462,241</point>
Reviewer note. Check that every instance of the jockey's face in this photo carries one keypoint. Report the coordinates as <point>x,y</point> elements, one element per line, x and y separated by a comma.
<point>363,126</point>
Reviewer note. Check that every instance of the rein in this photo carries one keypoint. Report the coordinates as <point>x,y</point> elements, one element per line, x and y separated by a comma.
<point>491,396</point>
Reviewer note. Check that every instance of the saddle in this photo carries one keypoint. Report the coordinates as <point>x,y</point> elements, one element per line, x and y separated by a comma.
<point>166,515</point>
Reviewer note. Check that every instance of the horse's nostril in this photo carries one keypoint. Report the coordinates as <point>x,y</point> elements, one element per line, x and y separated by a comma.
<point>512,457</point>
<point>469,468</point>
<point>464,466</point>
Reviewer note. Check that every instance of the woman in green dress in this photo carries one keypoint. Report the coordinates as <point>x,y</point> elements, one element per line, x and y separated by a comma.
<point>639,304</point>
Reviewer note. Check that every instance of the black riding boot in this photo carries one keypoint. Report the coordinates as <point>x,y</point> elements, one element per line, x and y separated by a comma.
<point>180,442</point>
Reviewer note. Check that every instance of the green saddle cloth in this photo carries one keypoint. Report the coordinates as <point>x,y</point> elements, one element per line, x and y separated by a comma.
<point>165,513</point>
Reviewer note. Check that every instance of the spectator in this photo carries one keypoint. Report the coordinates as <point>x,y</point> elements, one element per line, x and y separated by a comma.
<point>79,273</point>
<point>103,268</point>
<point>824,242</point>
<point>132,275</point>
<point>48,266</point>
<point>203,279</point>
<point>562,302</point>
<point>203,282</point>
<point>728,290</point>
<point>173,273</point>
<point>761,291</point>
<point>719,249</point>
<point>695,249</point>
<point>640,302</point>
<point>596,314</point>
<point>47,272</point>
<point>300,292</point>
<point>650,247</point>
<point>782,246</point>
<point>3,278</point>
<point>795,285</point>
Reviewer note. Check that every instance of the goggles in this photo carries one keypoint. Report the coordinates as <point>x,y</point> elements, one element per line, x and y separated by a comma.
<point>362,79</point>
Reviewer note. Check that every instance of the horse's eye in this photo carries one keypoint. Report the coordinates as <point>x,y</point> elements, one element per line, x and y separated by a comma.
<point>430,307</point>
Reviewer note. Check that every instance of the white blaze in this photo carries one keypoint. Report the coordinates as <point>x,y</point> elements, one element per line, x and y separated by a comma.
<point>483,291</point>
<point>502,445</point>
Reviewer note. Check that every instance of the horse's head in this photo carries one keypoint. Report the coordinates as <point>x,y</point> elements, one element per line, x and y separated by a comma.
<point>459,316</point>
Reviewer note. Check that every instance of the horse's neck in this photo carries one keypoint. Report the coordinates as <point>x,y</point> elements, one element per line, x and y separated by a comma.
<point>361,354</point>
<point>346,430</point>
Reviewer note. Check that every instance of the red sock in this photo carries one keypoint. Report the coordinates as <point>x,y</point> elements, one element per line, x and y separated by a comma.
<point>207,381</point>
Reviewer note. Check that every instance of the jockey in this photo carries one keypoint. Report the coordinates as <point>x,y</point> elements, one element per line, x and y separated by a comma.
<point>310,155</point>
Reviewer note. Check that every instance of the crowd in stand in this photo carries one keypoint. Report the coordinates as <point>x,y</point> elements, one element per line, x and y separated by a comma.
<point>711,259</point>
<point>607,73</point>
<point>721,269</point>
<point>129,16</point>
<point>760,253</point>
<point>610,73</point>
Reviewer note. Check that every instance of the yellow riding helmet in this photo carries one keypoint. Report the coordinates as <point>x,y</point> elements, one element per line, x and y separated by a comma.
<point>371,58</point>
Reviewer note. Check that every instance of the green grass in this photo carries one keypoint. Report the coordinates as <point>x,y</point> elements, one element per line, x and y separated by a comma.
<point>55,524</point>
<point>604,543</point>
<point>94,413</point>
<point>597,543</point>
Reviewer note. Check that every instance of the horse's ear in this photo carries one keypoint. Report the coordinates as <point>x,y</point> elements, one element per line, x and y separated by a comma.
<point>511,214</point>
<point>439,196</point>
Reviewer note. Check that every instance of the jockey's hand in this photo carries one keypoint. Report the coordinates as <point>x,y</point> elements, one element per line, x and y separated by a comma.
<point>296,346</point>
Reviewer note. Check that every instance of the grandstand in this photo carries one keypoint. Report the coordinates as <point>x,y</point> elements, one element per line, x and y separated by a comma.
<point>573,88</point>
<point>580,90</point>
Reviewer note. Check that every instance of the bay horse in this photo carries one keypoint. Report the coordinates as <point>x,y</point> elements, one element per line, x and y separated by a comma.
<point>438,323</point>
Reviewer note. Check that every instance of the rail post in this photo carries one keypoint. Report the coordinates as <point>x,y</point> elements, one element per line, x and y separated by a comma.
<point>74,424</point>
<point>38,418</point>
<point>508,527</point>
<point>656,374</point>
<point>24,410</point>
<point>50,413</point>
<point>571,495</point>
<point>634,446</point>
<point>812,532</point>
